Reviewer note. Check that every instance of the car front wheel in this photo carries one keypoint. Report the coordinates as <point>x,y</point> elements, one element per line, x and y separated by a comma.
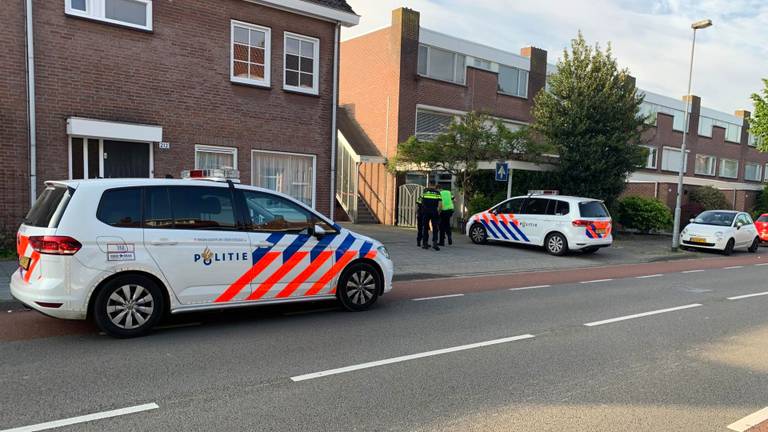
<point>556,244</point>
<point>478,234</point>
<point>728,250</point>
<point>128,306</point>
<point>359,287</point>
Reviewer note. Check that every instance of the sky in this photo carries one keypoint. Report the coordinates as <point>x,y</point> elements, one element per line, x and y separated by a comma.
<point>652,38</point>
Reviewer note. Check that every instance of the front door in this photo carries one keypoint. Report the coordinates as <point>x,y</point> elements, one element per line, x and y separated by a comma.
<point>126,159</point>
<point>192,234</point>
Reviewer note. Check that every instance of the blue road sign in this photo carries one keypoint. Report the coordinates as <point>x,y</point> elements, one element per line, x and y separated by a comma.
<point>502,171</point>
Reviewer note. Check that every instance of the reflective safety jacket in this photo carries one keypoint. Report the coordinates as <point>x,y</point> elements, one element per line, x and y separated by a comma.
<point>430,201</point>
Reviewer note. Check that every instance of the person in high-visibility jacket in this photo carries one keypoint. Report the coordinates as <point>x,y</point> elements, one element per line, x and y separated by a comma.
<point>446,213</point>
<point>430,208</point>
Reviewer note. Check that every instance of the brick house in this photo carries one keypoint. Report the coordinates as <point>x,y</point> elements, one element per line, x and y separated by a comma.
<point>406,80</point>
<point>148,88</point>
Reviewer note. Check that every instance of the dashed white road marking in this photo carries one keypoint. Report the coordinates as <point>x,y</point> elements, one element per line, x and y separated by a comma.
<point>438,297</point>
<point>85,418</point>
<point>649,276</point>
<point>732,267</point>
<point>530,287</point>
<point>692,271</point>
<point>750,421</point>
<point>748,296</point>
<point>596,281</point>
<point>761,264</point>
<point>640,315</point>
<point>405,358</point>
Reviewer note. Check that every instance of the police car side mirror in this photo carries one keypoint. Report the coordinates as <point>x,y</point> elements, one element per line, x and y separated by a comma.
<point>318,232</point>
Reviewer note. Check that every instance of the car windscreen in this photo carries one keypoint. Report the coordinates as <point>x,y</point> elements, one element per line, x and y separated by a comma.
<point>763,218</point>
<point>716,218</point>
<point>593,209</point>
<point>47,210</point>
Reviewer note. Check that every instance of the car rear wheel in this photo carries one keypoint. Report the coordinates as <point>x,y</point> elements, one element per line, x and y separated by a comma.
<point>729,247</point>
<point>128,306</point>
<point>556,244</point>
<point>359,287</point>
<point>478,234</point>
<point>755,245</point>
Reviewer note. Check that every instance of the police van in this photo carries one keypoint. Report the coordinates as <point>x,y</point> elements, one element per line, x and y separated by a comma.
<point>124,252</point>
<point>558,223</point>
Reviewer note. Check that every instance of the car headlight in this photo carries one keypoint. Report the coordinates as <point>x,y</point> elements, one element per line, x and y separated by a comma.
<point>382,250</point>
<point>685,231</point>
<point>719,235</point>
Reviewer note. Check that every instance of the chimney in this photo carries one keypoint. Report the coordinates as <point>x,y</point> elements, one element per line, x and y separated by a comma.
<point>537,76</point>
<point>695,111</point>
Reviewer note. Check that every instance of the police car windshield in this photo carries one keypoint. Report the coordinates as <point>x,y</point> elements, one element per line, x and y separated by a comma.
<point>716,218</point>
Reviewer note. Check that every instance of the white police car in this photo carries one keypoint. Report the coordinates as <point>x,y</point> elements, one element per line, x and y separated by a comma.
<point>127,251</point>
<point>558,223</point>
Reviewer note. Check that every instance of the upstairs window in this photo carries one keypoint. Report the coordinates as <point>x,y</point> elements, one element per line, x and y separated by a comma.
<point>250,54</point>
<point>129,13</point>
<point>705,165</point>
<point>301,63</point>
<point>671,159</point>
<point>513,81</point>
<point>650,161</point>
<point>429,124</point>
<point>732,130</point>
<point>652,110</point>
<point>753,171</point>
<point>729,168</point>
<point>441,64</point>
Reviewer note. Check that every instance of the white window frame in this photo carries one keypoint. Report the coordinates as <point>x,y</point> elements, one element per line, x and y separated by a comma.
<point>765,173</point>
<point>315,67</point>
<point>759,171</point>
<point>685,159</point>
<point>96,10</point>
<point>101,155</point>
<point>722,164</point>
<point>652,151</point>
<point>266,82</point>
<point>314,170</point>
<point>524,93</point>
<point>216,149</point>
<point>456,65</point>
<point>714,165</point>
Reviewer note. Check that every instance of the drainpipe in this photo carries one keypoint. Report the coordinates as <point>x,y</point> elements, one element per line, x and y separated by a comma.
<point>334,132</point>
<point>31,121</point>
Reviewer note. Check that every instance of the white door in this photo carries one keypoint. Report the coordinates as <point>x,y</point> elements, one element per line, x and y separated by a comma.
<point>747,233</point>
<point>504,223</point>
<point>192,234</point>
<point>533,219</point>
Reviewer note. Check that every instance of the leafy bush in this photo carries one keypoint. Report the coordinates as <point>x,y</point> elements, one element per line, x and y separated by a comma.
<point>7,243</point>
<point>643,214</point>
<point>688,212</point>
<point>480,202</point>
<point>761,204</point>
<point>709,198</point>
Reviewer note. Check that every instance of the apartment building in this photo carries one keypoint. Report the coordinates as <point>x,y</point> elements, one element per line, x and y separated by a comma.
<point>148,88</point>
<point>406,80</point>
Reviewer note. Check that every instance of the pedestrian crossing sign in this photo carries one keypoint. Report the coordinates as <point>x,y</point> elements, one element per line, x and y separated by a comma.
<point>502,171</point>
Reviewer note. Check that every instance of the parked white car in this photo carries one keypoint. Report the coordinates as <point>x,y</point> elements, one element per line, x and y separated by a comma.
<point>722,230</point>
<point>127,251</point>
<point>558,223</point>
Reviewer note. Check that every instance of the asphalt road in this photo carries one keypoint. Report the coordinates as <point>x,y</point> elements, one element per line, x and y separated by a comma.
<point>663,350</point>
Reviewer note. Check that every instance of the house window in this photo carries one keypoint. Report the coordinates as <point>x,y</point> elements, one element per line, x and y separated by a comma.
<point>130,13</point>
<point>513,81</point>
<point>732,130</point>
<point>765,179</point>
<point>429,124</point>
<point>302,55</point>
<point>483,64</point>
<point>250,54</point>
<point>650,162</point>
<point>211,157</point>
<point>705,165</point>
<point>754,141</point>
<point>91,158</point>
<point>670,159</point>
<point>753,171</point>
<point>729,168</point>
<point>651,111</point>
<point>441,64</point>
<point>289,173</point>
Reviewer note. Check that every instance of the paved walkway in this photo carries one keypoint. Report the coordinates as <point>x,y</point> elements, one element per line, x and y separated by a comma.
<point>6,270</point>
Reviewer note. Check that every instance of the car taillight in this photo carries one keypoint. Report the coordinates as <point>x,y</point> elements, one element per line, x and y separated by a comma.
<point>582,223</point>
<point>55,245</point>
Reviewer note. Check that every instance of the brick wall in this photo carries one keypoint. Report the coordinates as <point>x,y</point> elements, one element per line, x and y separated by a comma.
<point>177,77</point>
<point>14,157</point>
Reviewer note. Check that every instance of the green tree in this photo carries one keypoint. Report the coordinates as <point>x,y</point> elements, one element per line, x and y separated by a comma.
<point>709,198</point>
<point>761,203</point>
<point>473,138</point>
<point>758,124</point>
<point>643,214</point>
<point>591,116</point>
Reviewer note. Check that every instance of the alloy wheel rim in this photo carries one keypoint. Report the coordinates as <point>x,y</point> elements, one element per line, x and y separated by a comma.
<point>361,287</point>
<point>130,306</point>
<point>477,234</point>
<point>555,244</point>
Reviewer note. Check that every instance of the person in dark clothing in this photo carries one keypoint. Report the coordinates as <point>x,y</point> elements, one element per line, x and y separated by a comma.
<point>446,213</point>
<point>419,222</point>
<point>430,204</point>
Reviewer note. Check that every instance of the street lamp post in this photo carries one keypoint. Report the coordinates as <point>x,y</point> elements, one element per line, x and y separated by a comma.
<point>698,25</point>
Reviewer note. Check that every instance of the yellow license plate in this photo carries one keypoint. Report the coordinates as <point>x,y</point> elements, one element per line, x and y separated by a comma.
<point>698,240</point>
<point>601,231</point>
<point>24,262</point>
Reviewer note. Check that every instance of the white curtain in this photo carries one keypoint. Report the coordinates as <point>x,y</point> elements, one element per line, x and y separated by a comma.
<point>290,174</point>
<point>214,160</point>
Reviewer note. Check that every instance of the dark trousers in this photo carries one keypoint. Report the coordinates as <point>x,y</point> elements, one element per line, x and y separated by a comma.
<point>433,219</point>
<point>419,227</point>
<point>445,226</point>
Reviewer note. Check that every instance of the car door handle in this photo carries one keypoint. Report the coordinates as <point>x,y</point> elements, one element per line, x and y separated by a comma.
<point>263,244</point>
<point>164,242</point>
